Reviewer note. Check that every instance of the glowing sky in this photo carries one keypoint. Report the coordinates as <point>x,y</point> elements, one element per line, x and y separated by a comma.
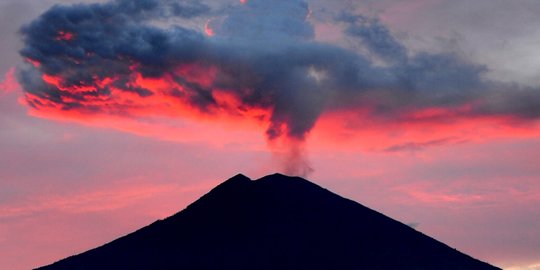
<point>119,113</point>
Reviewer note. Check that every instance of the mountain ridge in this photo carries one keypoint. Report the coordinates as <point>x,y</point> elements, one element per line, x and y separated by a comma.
<point>275,222</point>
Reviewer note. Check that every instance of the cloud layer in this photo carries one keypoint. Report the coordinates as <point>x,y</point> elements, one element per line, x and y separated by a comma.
<point>259,59</point>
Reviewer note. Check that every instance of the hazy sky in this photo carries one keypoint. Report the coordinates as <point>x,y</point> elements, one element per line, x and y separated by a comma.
<point>118,114</point>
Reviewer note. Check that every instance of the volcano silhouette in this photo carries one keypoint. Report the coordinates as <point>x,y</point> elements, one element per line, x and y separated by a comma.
<point>276,222</point>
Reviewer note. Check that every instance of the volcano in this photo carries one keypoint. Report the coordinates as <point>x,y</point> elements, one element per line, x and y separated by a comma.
<point>277,222</point>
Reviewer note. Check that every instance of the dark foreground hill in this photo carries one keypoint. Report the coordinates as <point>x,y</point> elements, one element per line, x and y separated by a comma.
<point>274,223</point>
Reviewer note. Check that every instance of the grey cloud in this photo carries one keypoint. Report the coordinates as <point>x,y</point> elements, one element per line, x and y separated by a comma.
<point>268,21</point>
<point>375,37</point>
<point>265,55</point>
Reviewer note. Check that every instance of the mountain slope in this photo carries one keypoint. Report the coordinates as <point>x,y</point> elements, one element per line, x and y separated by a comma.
<point>276,222</point>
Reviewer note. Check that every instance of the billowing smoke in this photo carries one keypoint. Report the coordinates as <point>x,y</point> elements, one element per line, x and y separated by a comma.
<point>126,58</point>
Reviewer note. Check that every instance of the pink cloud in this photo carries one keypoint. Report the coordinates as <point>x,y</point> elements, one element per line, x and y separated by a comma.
<point>102,200</point>
<point>534,266</point>
<point>9,83</point>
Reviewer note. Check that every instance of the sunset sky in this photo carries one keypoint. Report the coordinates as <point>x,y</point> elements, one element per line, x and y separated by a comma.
<point>117,113</point>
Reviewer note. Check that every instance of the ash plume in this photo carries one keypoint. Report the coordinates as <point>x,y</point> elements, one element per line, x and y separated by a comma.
<point>121,58</point>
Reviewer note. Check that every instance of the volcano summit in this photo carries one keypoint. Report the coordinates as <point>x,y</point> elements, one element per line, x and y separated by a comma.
<point>276,222</point>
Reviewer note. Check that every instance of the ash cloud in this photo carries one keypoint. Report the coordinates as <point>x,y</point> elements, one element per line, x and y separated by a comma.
<point>375,37</point>
<point>263,53</point>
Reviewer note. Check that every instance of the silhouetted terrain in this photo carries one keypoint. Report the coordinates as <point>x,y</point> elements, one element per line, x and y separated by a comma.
<point>274,223</point>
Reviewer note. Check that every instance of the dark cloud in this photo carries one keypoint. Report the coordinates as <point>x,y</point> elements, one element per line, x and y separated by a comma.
<point>263,53</point>
<point>189,8</point>
<point>268,21</point>
<point>375,37</point>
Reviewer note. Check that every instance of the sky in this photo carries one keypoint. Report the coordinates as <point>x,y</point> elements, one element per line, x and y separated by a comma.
<point>117,113</point>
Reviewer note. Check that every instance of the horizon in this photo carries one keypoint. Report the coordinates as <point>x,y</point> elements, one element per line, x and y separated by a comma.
<point>119,113</point>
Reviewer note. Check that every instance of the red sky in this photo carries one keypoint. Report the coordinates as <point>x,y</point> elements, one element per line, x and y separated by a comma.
<point>71,180</point>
